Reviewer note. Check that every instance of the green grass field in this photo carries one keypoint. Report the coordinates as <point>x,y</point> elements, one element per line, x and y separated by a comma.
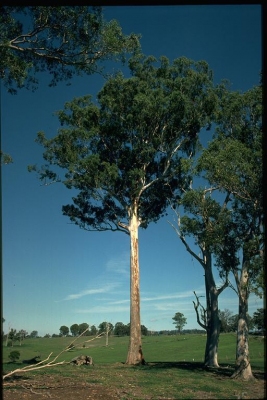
<point>174,367</point>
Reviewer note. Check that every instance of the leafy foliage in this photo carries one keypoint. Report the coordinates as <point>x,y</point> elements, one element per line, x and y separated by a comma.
<point>229,322</point>
<point>74,329</point>
<point>259,319</point>
<point>126,152</point>
<point>179,321</point>
<point>14,355</point>
<point>61,40</point>
<point>64,330</point>
<point>104,326</point>
<point>233,162</point>
<point>82,327</point>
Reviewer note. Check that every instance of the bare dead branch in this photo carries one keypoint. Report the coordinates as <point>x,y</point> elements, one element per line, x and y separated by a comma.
<point>203,312</point>
<point>39,365</point>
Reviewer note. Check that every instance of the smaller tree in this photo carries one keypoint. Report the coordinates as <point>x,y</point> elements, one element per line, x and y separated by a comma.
<point>20,336</point>
<point>179,321</point>
<point>74,329</point>
<point>258,319</point>
<point>225,318</point>
<point>144,330</point>
<point>12,336</point>
<point>103,327</point>
<point>93,330</point>
<point>14,355</point>
<point>34,334</point>
<point>119,329</point>
<point>83,327</point>
<point>64,330</point>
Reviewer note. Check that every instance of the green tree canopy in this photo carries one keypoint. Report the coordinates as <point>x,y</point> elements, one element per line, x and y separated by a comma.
<point>233,163</point>
<point>62,40</point>
<point>93,330</point>
<point>104,326</point>
<point>64,330</point>
<point>179,321</point>
<point>259,319</point>
<point>227,320</point>
<point>74,329</point>
<point>120,329</point>
<point>82,327</point>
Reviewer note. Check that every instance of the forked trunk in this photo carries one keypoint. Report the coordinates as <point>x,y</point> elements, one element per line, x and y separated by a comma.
<point>243,366</point>
<point>133,356</point>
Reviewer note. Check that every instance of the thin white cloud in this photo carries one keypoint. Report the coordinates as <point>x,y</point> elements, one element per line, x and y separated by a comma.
<point>178,295</point>
<point>182,295</point>
<point>88,292</point>
<point>119,265</point>
<point>116,271</point>
<point>120,301</point>
<point>171,306</point>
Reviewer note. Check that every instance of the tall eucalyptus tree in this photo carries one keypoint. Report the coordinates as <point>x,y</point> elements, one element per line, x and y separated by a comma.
<point>128,154</point>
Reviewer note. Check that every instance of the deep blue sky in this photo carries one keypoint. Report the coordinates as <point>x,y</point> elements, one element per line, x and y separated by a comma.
<point>57,274</point>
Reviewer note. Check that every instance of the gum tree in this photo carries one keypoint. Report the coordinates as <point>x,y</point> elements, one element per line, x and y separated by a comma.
<point>205,220</point>
<point>233,162</point>
<point>128,153</point>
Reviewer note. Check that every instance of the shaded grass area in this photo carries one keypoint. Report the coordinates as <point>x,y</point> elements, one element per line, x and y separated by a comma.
<point>174,367</point>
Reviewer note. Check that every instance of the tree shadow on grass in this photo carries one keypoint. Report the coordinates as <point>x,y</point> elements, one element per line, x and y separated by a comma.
<point>224,370</point>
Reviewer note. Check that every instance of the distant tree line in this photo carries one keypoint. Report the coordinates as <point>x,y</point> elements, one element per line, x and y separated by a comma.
<point>120,329</point>
<point>229,323</point>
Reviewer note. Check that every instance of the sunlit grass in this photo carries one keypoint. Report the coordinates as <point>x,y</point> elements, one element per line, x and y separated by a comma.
<point>174,365</point>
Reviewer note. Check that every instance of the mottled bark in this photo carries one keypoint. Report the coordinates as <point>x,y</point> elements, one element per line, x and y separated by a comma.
<point>213,333</point>
<point>213,320</point>
<point>135,321</point>
<point>243,367</point>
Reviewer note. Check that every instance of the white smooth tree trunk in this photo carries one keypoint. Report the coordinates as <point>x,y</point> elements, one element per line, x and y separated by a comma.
<point>135,320</point>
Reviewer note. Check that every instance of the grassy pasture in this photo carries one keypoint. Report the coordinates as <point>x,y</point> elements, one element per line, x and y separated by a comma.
<point>174,369</point>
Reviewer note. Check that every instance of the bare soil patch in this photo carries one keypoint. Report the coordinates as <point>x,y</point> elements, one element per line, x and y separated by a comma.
<point>79,387</point>
<point>55,387</point>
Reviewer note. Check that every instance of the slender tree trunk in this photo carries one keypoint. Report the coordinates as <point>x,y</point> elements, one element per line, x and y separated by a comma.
<point>213,333</point>
<point>213,321</point>
<point>243,366</point>
<point>107,330</point>
<point>135,321</point>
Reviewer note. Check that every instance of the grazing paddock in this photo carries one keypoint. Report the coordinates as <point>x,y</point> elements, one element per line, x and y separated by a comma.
<point>173,371</point>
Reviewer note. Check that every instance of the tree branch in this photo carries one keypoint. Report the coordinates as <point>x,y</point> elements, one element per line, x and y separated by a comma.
<point>49,364</point>
<point>196,305</point>
<point>190,251</point>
